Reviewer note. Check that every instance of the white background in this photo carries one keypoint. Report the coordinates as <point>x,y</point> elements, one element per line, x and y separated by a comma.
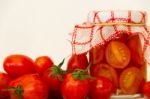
<point>41,27</point>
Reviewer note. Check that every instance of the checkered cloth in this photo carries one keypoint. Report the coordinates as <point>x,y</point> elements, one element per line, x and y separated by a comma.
<point>102,26</point>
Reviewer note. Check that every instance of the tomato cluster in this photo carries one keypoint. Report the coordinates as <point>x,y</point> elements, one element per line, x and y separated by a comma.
<point>118,67</point>
<point>42,79</point>
<point>121,61</point>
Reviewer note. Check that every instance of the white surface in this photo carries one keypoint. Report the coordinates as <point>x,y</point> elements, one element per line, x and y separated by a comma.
<point>41,27</point>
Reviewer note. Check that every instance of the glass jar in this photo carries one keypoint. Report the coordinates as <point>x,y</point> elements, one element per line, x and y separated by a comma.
<point>118,46</point>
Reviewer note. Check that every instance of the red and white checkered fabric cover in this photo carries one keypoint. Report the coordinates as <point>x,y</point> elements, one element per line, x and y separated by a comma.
<point>117,16</point>
<point>88,34</point>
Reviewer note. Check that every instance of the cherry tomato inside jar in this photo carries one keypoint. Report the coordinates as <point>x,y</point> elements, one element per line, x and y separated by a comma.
<point>130,80</point>
<point>117,54</point>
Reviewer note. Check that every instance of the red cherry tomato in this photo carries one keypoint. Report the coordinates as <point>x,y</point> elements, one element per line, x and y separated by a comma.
<point>130,80</point>
<point>28,87</point>
<point>105,70</point>
<point>77,62</point>
<point>53,78</point>
<point>96,54</point>
<point>53,83</point>
<point>4,82</point>
<point>42,63</point>
<point>73,88</point>
<point>117,54</point>
<point>101,88</point>
<point>146,89</point>
<point>135,46</point>
<point>18,65</point>
<point>122,37</point>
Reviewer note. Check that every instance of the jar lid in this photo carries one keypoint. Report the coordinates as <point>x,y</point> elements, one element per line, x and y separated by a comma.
<point>129,16</point>
<point>90,34</point>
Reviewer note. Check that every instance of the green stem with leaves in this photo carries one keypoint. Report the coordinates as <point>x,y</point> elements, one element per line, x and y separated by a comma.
<point>57,71</point>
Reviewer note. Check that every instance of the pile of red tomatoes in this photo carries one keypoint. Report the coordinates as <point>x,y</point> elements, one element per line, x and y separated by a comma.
<point>118,67</point>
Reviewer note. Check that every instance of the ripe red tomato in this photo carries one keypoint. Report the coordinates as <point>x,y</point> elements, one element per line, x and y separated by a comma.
<point>28,87</point>
<point>135,46</point>
<point>105,70</point>
<point>53,78</point>
<point>146,89</point>
<point>122,37</point>
<point>96,54</point>
<point>117,54</point>
<point>18,65</point>
<point>130,80</point>
<point>77,62</point>
<point>101,88</point>
<point>52,82</point>
<point>74,88</point>
<point>4,82</point>
<point>42,63</point>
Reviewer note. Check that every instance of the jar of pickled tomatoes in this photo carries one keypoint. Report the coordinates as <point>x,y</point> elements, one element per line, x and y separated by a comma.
<point>118,46</point>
